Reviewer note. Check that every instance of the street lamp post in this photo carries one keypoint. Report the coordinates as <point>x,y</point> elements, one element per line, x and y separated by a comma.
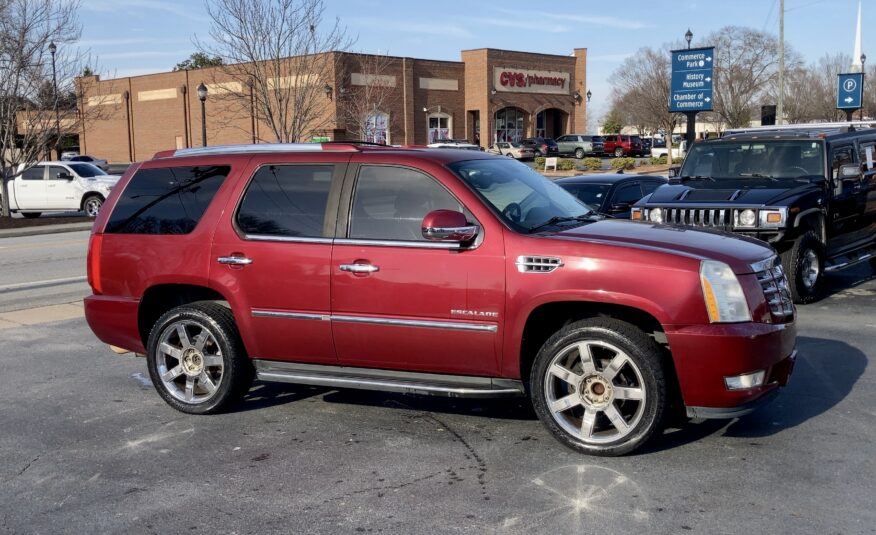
<point>688,35</point>
<point>691,115</point>
<point>52,49</point>
<point>589,94</point>
<point>202,96</point>
<point>863,75</point>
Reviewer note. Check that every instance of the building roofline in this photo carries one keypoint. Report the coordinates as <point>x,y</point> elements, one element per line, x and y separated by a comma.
<point>565,56</point>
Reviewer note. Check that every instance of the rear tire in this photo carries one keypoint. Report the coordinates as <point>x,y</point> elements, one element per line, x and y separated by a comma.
<point>31,215</point>
<point>618,152</point>
<point>804,266</point>
<point>196,359</point>
<point>598,386</point>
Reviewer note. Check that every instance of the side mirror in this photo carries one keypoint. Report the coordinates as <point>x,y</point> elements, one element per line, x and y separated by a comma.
<point>620,207</point>
<point>673,172</point>
<point>850,171</point>
<point>448,226</point>
<point>64,176</point>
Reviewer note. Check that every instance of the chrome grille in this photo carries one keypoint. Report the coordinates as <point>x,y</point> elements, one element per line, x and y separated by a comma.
<point>698,217</point>
<point>538,264</point>
<point>772,279</point>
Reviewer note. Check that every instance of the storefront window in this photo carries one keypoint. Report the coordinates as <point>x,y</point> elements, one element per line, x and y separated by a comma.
<point>539,124</point>
<point>509,125</point>
<point>439,127</point>
<point>377,129</point>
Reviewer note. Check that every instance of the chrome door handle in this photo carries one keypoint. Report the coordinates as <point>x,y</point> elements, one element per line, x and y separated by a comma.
<point>234,260</point>
<point>359,268</point>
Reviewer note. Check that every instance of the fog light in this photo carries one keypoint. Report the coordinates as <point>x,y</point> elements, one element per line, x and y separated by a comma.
<point>747,380</point>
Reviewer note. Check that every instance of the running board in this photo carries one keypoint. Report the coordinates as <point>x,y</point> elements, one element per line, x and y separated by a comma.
<point>850,259</point>
<point>388,380</point>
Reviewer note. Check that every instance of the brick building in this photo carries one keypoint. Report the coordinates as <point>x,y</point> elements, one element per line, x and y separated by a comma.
<point>490,95</point>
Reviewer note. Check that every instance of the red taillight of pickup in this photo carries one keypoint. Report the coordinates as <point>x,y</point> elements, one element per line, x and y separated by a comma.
<point>544,148</point>
<point>95,244</point>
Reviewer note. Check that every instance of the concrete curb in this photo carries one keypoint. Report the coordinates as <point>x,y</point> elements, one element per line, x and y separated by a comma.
<point>44,229</point>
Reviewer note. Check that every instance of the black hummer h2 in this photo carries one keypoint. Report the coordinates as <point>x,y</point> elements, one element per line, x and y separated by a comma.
<point>808,190</point>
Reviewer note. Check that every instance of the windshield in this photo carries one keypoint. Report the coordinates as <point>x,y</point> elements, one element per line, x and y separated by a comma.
<point>86,170</point>
<point>523,198</point>
<point>755,160</point>
<point>591,195</point>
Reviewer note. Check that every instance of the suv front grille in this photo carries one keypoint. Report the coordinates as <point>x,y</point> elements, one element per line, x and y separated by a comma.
<point>698,217</point>
<point>775,288</point>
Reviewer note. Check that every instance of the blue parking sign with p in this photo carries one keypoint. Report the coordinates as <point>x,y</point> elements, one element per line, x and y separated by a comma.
<point>849,90</point>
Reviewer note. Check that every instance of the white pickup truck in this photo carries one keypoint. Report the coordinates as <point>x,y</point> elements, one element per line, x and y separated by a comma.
<point>59,187</point>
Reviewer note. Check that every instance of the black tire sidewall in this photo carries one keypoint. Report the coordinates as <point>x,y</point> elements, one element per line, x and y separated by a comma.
<point>645,354</point>
<point>236,372</point>
<point>792,262</point>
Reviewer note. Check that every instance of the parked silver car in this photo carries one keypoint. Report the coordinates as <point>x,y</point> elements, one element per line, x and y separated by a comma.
<point>580,145</point>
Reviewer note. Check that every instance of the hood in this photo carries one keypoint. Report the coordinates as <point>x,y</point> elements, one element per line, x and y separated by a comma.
<point>109,180</point>
<point>738,252</point>
<point>736,192</point>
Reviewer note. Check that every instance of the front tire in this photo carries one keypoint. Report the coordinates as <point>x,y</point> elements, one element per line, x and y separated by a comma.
<point>579,153</point>
<point>91,205</point>
<point>196,359</point>
<point>618,152</point>
<point>804,265</point>
<point>598,386</point>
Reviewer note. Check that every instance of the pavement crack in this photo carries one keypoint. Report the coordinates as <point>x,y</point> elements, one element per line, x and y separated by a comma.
<point>28,465</point>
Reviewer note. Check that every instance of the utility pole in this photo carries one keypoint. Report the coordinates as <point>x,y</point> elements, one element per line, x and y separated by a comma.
<point>779,105</point>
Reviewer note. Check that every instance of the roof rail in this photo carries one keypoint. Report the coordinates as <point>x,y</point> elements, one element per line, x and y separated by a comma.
<point>259,148</point>
<point>807,127</point>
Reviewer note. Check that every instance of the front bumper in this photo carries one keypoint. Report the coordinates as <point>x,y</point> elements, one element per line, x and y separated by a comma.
<point>705,354</point>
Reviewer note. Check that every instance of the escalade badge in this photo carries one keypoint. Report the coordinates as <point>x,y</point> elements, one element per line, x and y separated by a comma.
<point>473,313</point>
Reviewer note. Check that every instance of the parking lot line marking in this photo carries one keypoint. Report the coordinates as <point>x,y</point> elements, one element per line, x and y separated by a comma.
<point>40,284</point>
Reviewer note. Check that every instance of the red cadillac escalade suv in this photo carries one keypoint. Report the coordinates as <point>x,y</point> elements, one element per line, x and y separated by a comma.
<point>429,271</point>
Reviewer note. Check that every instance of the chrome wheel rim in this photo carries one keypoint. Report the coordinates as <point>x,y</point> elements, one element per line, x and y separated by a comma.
<point>92,207</point>
<point>811,268</point>
<point>595,391</point>
<point>189,362</point>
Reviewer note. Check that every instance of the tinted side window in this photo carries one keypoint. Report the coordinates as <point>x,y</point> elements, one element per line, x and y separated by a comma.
<point>389,203</point>
<point>629,193</point>
<point>842,156</point>
<point>55,170</point>
<point>168,200</point>
<point>649,186</point>
<point>34,173</point>
<point>286,200</point>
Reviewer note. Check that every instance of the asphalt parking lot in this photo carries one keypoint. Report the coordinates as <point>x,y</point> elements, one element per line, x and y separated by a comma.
<point>86,446</point>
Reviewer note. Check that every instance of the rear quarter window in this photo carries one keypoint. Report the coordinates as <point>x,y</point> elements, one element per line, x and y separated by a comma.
<point>168,200</point>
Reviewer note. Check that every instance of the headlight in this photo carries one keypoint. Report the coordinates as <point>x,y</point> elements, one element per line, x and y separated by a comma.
<point>655,215</point>
<point>772,217</point>
<point>745,218</point>
<point>725,301</point>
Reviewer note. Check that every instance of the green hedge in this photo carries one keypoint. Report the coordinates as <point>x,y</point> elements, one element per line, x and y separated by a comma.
<point>623,163</point>
<point>592,164</point>
<point>539,163</point>
<point>662,160</point>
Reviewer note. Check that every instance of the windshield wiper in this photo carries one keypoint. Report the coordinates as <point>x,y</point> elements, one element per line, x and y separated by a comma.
<point>758,175</point>
<point>696,177</point>
<point>560,219</point>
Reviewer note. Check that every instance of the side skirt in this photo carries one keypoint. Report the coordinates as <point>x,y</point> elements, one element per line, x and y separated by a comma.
<point>387,380</point>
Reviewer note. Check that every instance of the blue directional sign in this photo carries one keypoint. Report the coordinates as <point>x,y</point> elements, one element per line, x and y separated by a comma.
<point>849,87</point>
<point>692,73</point>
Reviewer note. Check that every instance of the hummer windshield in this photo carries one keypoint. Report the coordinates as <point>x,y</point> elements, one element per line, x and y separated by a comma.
<point>755,160</point>
<point>527,201</point>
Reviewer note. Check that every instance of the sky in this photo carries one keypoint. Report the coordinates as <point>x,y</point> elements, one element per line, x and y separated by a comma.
<point>131,37</point>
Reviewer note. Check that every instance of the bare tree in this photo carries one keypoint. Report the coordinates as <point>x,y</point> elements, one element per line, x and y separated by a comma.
<point>746,67</point>
<point>31,114</point>
<point>375,93</point>
<point>644,79</point>
<point>281,50</point>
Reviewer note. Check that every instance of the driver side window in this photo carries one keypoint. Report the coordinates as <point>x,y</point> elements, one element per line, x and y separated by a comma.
<point>841,156</point>
<point>55,170</point>
<point>389,203</point>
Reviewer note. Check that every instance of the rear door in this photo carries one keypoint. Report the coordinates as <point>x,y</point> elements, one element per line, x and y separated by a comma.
<point>30,188</point>
<point>272,253</point>
<point>401,302</point>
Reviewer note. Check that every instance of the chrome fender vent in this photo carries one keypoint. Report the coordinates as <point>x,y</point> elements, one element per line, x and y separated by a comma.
<point>538,264</point>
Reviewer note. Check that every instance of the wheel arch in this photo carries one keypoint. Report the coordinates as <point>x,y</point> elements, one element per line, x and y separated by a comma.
<point>812,219</point>
<point>88,194</point>
<point>160,298</point>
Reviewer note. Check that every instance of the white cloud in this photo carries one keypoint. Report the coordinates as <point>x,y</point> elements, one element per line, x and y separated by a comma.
<point>372,24</point>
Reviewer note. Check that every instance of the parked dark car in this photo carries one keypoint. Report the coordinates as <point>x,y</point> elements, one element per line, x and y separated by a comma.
<point>611,195</point>
<point>619,145</point>
<point>810,191</point>
<point>543,146</point>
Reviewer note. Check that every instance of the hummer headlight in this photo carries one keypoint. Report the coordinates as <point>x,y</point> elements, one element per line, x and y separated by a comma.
<point>745,218</point>
<point>655,215</point>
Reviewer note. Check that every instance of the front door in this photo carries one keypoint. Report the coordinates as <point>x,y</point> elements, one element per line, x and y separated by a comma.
<point>401,302</point>
<point>847,202</point>
<point>30,188</point>
<point>271,256</point>
<point>62,193</point>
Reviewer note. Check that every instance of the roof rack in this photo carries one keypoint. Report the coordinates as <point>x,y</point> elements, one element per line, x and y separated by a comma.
<point>802,127</point>
<point>259,148</point>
